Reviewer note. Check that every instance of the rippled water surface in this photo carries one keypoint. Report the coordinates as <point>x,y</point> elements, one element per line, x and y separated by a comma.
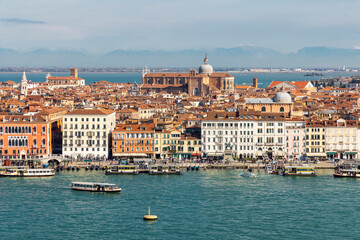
<point>196,205</point>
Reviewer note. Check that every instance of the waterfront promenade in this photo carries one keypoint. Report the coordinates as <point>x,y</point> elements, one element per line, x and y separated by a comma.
<point>204,165</point>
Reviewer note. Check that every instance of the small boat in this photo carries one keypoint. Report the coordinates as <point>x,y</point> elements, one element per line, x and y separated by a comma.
<point>121,170</point>
<point>248,174</point>
<point>27,172</point>
<point>304,170</point>
<point>188,168</point>
<point>347,170</point>
<point>95,187</point>
<point>193,168</point>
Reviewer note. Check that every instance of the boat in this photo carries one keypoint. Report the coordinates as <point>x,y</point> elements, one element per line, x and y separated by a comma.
<point>4,168</point>
<point>173,170</point>
<point>121,170</point>
<point>164,170</point>
<point>158,170</point>
<point>313,74</point>
<point>248,174</point>
<point>303,170</point>
<point>347,170</point>
<point>95,187</point>
<point>27,172</point>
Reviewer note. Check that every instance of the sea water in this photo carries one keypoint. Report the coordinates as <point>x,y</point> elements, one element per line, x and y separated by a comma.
<point>240,78</point>
<point>211,204</point>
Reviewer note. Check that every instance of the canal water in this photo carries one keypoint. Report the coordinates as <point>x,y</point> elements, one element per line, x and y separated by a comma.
<point>211,204</point>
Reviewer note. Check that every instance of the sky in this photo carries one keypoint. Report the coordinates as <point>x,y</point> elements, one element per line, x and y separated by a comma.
<point>103,26</point>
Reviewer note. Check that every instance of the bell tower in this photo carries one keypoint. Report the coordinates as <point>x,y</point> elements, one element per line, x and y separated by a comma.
<point>24,85</point>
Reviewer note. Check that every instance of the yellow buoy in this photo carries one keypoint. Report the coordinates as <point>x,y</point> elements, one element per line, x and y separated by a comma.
<point>150,217</point>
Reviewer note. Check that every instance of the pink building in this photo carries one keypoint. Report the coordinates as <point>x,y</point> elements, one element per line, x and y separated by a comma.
<point>295,140</point>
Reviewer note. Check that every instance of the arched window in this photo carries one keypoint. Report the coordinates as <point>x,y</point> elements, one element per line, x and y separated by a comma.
<point>26,142</point>
<point>34,129</point>
<point>13,142</point>
<point>16,142</point>
<point>29,129</point>
<point>34,142</point>
<point>282,109</point>
<point>43,142</point>
<point>196,92</point>
<point>20,142</point>
<point>6,129</point>
<point>263,109</point>
<point>1,142</point>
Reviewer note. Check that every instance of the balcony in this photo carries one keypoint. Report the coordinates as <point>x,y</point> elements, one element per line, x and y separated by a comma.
<point>269,144</point>
<point>34,146</point>
<point>71,136</point>
<point>43,133</point>
<point>34,133</point>
<point>43,146</point>
<point>1,146</point>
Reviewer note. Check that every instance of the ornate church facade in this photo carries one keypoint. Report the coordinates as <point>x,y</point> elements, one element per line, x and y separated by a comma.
<point>201,84</point>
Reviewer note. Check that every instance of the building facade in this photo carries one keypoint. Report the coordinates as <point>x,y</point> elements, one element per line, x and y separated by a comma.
<point>24,137</point>
<point>295,140</point>
<point>62,82</point>
<point>87,133</point>
<point>203,83</point>
<point>133,141</point>
<point>342,139</point>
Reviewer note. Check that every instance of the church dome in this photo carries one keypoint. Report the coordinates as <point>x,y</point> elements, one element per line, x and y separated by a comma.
<point>282,97</point>
<point>206,68</point>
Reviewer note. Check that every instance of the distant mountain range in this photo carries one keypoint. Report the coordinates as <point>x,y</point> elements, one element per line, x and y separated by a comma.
<point>237,57</point>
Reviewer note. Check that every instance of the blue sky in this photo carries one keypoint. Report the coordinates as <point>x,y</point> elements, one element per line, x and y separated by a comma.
<point>101,26</point>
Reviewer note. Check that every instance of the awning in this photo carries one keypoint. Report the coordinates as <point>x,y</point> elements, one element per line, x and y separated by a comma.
<point>331,153</point>
<point>350,152</point>
<point>131,154</point>
<point>196,154</point>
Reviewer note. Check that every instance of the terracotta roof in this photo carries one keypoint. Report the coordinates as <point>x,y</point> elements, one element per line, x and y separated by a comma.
<point>88,111</point>
<point>64,78</point>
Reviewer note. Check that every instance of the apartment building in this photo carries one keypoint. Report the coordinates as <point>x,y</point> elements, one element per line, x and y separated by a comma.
<point>315,140</point>
<point>133,141</point>
<point>248,135</point>
<point>342,139</point>
<point>295,140</point>
<point>166,142</point>
<point>87,132</point>
<point>24,137</point>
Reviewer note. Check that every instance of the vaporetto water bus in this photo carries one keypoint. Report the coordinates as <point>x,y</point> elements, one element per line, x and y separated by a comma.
<point>121,169</point>
<point>28,172</point>
<point>4,168</point>
<point>347,170</point>
<point>304,170</point>
<point>95,187</point>
<point>164,170</point>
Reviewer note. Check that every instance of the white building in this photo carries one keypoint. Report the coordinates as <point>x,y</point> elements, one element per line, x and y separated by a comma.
<point>87,132</point>
<point>269,137</point>
<point>225,128</point>
<point>342,139</point>
<point>249,136</point>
